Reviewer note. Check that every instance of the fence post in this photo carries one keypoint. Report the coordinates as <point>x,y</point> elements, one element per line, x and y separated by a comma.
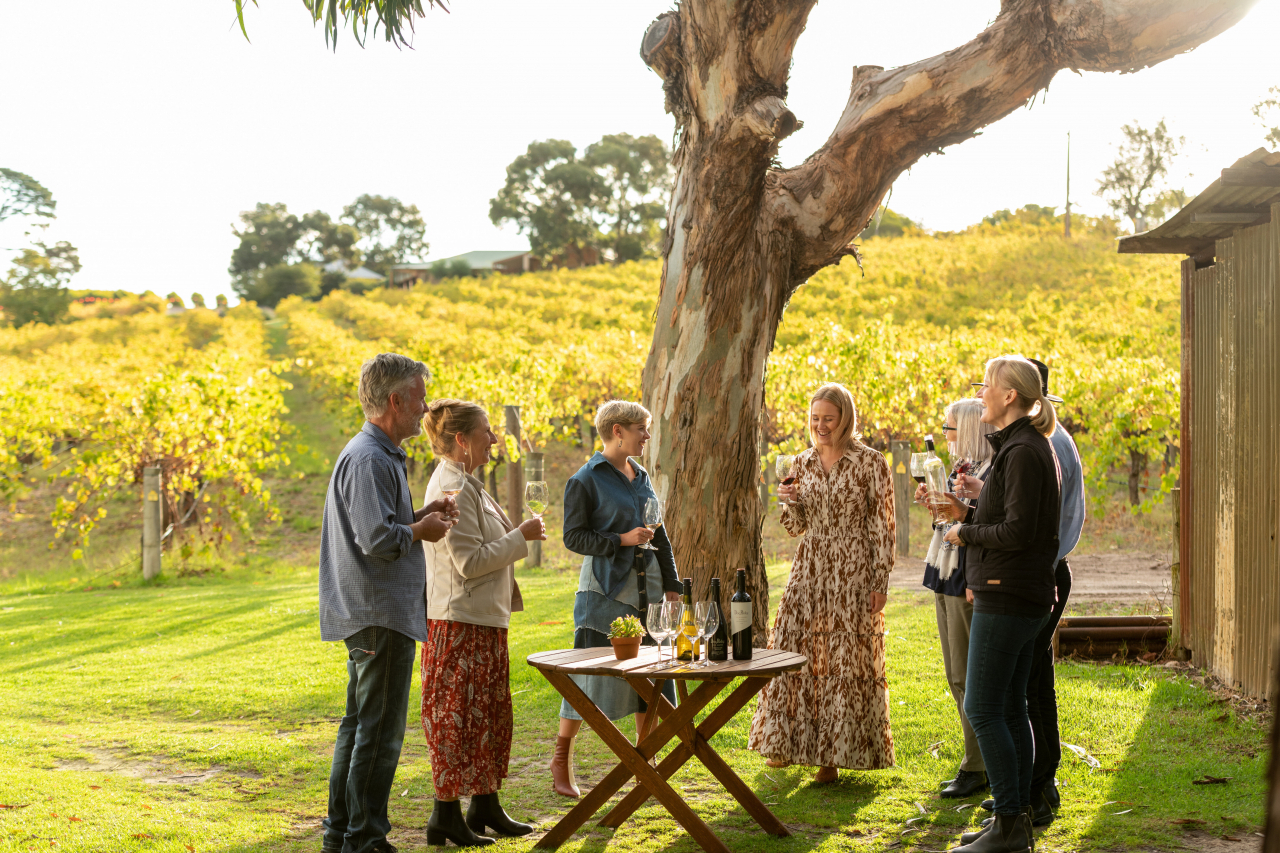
<point>515,474</point>
<point>533,472</point>
<point>902,493</point>
<point>151,520</point>
<point>1175,630</point>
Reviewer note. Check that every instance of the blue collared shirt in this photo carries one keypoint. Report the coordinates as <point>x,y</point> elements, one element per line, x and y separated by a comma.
<point>1071,519</point>
<point>600,504</point>
<point>372,573</point>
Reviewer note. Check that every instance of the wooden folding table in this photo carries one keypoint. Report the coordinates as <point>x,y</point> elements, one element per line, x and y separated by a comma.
<point>646,676</point>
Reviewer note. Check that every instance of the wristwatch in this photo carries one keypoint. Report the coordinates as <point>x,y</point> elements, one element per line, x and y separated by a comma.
<point>958,536</point>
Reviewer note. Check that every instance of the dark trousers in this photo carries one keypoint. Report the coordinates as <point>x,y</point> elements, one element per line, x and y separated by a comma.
<point>379,673</point>
<point>1042,700</point>
<point>995,701</point>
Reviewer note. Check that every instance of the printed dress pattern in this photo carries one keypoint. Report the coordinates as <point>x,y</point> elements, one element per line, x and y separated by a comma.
<point>466,707</point>
<point>835,711</point>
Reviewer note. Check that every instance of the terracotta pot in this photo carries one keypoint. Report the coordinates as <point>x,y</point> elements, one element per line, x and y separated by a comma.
<point>625,648</point>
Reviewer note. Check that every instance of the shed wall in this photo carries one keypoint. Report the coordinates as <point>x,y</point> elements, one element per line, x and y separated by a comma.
<point>1231,594</point>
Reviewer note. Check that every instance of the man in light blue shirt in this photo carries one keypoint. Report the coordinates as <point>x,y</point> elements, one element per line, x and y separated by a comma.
<point>1042,702</point>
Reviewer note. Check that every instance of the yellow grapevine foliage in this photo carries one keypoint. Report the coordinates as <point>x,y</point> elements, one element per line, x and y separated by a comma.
<point>97,401</point>
<point>907,338</point>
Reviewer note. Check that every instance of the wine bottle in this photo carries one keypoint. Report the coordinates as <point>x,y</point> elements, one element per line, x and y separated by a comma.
<point>718,643</point>
<point>935,473</point>
<point>740,613</point>
<point>687,639</point>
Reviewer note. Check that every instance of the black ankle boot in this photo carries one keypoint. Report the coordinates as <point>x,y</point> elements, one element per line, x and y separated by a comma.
<point>485,810</point>
<point>1041,809</point>
<point>1006,834</point>
<point>446,822</point>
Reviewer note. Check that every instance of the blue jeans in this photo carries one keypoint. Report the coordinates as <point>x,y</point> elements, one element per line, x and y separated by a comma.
<point>995,701</point>
<point>379,673</point>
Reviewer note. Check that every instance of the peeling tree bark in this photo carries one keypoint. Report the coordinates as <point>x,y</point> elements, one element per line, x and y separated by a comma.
<point>742,235</point>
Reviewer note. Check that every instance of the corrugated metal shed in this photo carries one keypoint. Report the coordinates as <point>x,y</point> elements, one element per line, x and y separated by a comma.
<point>1242,196</point>
<point>1228,581</point>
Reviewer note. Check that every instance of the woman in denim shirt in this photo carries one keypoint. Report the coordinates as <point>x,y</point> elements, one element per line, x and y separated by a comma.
<point>604,521</point>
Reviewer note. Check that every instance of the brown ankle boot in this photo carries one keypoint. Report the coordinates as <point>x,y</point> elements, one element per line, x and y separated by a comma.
<point>562,781</point>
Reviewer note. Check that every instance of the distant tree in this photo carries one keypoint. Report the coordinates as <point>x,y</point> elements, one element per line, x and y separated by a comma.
<point>455,268</point>
<point>1031,213</point>
<point>35,290</point>
<point>391,232</point>
<point>23,195</point>
<point>273,236</point>
<point>1133,185</point>
<point>281,280</point>
<point>887,223</point>
<point>174,300</point>
<point>1268,112</point>
<point>635,179</point>
<point>197,300</point>
<point>221,301</point>
<point>549,195</point>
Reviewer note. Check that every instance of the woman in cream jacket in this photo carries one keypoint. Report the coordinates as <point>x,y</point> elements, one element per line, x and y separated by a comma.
<point>471,592</point>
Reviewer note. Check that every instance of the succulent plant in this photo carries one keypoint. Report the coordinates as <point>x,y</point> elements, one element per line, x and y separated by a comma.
<point>625,626</point>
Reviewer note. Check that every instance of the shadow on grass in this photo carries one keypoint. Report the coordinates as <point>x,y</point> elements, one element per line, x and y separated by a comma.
<point>1183,736</point>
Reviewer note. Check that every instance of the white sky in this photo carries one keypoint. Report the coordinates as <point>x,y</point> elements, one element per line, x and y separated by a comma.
<point>154,123</point>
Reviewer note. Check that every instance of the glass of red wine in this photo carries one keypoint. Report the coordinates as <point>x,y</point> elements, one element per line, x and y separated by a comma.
<point>785,467</point>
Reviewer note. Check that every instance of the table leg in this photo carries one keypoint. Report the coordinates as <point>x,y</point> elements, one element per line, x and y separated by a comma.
<point>634,763</point>
<point>695,744</point>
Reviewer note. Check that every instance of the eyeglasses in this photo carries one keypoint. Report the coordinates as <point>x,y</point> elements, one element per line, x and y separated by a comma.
<point>946,428</point>
<point>978,385</point>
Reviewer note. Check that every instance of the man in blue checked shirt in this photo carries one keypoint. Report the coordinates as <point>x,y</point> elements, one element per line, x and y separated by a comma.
<point>372,586</point>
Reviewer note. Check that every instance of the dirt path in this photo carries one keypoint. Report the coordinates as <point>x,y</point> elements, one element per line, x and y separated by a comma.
<point>1115,578</point>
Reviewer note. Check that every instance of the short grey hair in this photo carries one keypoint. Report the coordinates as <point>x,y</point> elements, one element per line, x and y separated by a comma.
<point>971,432</point>
<point>385,374</point>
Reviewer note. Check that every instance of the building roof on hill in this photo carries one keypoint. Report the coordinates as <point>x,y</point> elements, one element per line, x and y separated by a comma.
<point>360,273</point>
<point>477,260</point>
<point>1242,196</point>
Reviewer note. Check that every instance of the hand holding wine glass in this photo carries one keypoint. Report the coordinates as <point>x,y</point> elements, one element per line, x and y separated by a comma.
<point>652,518</point>
<point>785,469</point>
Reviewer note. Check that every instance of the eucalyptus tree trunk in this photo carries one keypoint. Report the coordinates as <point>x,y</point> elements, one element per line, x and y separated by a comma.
<point>742,235</point>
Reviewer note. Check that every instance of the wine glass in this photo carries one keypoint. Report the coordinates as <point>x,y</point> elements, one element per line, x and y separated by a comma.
<point>535,497</point>
<point>652,518</point>
<point>784,468</point>
<point>451,478</point>
<point>917,467</point>
<point>671,611</point>
<point>707,618</point>
<point>657,627</point>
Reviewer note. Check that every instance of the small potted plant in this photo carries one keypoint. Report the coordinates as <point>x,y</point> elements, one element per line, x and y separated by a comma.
<point>625,634</point>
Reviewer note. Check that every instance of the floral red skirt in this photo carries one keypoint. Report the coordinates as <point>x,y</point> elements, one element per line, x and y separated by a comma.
<point>466,707</point>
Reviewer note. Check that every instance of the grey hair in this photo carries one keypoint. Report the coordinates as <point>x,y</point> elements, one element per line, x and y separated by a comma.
<point>971,432</point>
<point>383,375</point>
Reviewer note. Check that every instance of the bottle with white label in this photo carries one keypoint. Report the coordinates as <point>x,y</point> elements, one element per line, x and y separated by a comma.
<point>935,480</point>
<point>740,616</point>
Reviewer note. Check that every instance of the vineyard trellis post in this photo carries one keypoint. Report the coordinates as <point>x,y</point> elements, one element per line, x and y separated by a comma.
<point>901,453</point>
<point>515,475</point>
<point>152,502</point>
<point>533,473</point>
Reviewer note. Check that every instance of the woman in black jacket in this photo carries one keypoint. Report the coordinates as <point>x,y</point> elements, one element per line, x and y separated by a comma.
<point>1011,541</point>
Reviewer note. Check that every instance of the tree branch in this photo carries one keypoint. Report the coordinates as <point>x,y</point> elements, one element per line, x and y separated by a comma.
<point>895,117</point>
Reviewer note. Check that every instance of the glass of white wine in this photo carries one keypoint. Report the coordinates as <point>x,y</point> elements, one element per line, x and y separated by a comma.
<point>652,518</point>
<point>785,469</point>
<point>451,478</point>
<point>535,497</point>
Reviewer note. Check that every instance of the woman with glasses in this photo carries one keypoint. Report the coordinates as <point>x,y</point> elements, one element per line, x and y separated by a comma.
<point>944,575</point>
<point>604,521</point>
<point>1012,539</point>
<point>834,712</point>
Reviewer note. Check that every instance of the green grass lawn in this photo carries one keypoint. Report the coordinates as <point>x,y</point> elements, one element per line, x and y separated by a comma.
<point>199,714</point>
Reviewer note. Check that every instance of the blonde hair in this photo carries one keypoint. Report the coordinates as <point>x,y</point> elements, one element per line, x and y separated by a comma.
<point>619,413</point>
<point>383,375</point>
<point>971,432</point>
<point>446,418</point>
<point>1015,373</point>
<point>839,396</point>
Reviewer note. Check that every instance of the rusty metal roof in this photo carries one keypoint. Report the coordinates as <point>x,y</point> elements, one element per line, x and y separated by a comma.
<point>1242,196</point>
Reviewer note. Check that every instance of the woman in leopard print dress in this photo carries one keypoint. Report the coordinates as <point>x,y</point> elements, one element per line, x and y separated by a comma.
<point>834,712</point>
